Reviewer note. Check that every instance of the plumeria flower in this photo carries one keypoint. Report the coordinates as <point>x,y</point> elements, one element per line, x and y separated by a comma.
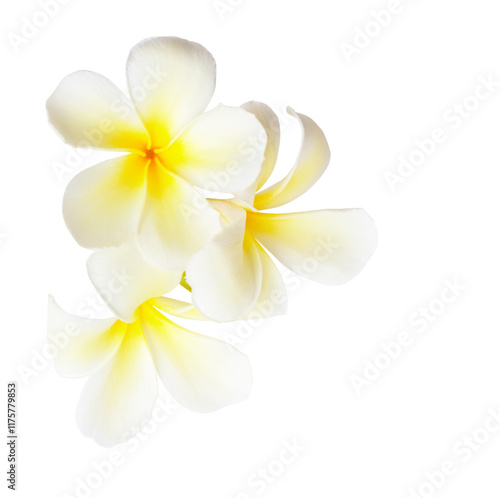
<point>122,356</point>
<point>234,273</point>
<point>172,147</point>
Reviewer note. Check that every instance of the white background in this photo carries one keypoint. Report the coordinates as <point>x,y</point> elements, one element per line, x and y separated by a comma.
<point>441,223</point>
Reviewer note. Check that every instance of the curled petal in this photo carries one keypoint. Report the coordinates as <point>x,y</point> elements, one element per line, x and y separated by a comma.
<point>171,81</point>
<point>102,204</point>
<point>117,400</point>
<point>268,119</point>
<point>203,374</point>
<point>226,275</point>
<point>329,246</point>
<point>125,279</point>
<point>272,300</point>
<point>311,163</point>
<point>88,110</point>
<point>177,308</point>
<point>220,151</point>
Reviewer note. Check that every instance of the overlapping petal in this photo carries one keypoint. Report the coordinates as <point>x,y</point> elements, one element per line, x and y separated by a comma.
<point>174,307</point>
<point>221,150</point>
<point>268,119</point>
<point>226,275</point>
<point>273,299</point>
<point>102,204</point>
<point>117,400</point>
<point>171,81</point>
<point>202,373</point>
<point>122,361</point>
<point>82,345</point>
<point>176,222</point>
<point>88,110</point>
<point>125,279</point>
<point>329,246</point>
<point>311,163</point>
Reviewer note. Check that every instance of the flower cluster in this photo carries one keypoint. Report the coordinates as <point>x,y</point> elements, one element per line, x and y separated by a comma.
<point>148,214</point>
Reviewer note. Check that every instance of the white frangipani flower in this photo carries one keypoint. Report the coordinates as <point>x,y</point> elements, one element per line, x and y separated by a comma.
<point>155,229</point>
<point>233,273</point>
<point>123,356</point>
<point>173,146</point>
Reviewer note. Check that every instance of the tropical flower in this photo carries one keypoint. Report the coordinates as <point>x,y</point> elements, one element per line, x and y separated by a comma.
<point>234,273</point>
<point>172,145</point>
<point>123,355</point>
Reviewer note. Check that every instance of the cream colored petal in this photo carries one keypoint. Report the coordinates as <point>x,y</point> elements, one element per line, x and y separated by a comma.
<point>268,119</point>
<point>226,275</point>
<point>88,110</point>
<point>125,279</point>
<point>329,246</point>
<point>220,151</point>
<point>102,204</point>
<point>177,308</point>
<point>273,298</point>
<point>81,345</point>
<point>311,163</point>
<point>201,373</point>
<point>117,400</point>
<point>177,221</point>
<point>171,81</point>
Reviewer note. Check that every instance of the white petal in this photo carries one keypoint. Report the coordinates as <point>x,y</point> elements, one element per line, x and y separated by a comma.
<point>171,81</point>
<point>220,151</point>
<point>81,345</point>
<point>311,163</point>
<point>201,373</point>
<point>125,279</point>
<point>177,221</point>
<point>226,276</point>
<point>329,246</point>
<point>117,401</point>
<point>273,298</point>
<point>268,119</point>
<point>174,307</point>
<point>88,110</point>
<point>102,204</point>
